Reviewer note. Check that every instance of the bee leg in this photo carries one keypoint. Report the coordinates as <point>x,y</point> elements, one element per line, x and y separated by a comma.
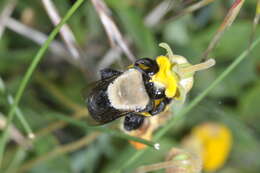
<point>161,107</point>
<point>108,72</point>
<point>149,107</point>
<point>158,109</point>
<point>133,121</point>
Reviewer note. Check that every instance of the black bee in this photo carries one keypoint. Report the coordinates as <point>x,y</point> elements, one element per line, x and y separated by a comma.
<point>131,93</point>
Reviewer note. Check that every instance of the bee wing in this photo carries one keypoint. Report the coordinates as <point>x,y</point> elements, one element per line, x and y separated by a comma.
<point>112,117</point>
<point>97,85</point>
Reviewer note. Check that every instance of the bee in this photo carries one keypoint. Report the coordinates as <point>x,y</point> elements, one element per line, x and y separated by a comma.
<point>145,89</point>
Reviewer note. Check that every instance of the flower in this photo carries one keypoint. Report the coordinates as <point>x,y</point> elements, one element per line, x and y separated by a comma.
<point>212,142</point>
<point>176,74</point>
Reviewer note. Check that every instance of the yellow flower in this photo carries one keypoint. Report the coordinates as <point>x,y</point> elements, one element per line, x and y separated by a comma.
<point>176,73</point>
<point>212,141</point>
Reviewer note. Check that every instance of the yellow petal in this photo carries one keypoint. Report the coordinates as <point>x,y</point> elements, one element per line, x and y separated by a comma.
<point>165,77</point>
<point>216,141</point>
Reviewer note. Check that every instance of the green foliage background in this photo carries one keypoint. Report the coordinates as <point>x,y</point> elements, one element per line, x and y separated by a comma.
<point>56,85</point>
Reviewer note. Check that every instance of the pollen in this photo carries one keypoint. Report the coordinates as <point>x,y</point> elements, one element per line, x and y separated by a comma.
<point>165,77</point>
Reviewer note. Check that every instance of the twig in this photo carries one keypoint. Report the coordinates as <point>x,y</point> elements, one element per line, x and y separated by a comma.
<point>6,13</point>
<point>36,36</point>
<point>150,20</point>
<point>158,13</point>
<point>255,22</point>
<point>56,47</point>
<point>65,31</point>
<point>228,20</point>
<point>112,31</point>
<point>109,58</point>
<point>191,9</point>
<point>60,151</point>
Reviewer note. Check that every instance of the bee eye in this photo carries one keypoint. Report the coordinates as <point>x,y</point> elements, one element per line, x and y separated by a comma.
<point>147,66</point>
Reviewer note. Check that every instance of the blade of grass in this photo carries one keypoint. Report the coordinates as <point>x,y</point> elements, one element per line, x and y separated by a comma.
<point>61,150</point>
<point>104,130</point>
<point>21,118</point>
<point>18,112</point>
<point>192,104</point>
<point>29,72</point>
<point>16,161</point>
<point>15,134</point>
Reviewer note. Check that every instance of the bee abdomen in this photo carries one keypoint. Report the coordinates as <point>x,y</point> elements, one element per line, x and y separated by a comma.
<point>97,105</point>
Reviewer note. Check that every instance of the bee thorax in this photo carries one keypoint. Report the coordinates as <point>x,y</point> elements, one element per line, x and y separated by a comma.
<point>128,92</point>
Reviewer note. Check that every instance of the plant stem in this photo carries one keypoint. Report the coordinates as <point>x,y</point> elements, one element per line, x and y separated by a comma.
<point>102,129</point>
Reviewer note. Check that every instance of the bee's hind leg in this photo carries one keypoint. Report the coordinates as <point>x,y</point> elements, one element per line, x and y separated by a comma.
<point>133,121</point>
<point>108,72</point>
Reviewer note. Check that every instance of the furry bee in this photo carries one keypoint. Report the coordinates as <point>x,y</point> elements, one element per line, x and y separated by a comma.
<point>136,93</point>
<point>145,89</point>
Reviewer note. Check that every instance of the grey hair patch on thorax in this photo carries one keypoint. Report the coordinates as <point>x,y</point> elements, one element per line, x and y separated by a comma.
<point>127,92</point>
